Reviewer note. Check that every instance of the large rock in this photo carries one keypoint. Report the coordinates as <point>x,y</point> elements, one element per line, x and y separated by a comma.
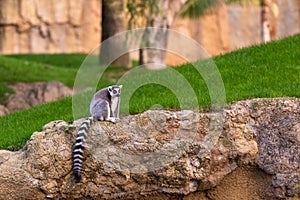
<point>32,94</point>
<point>162,155</point>
<point>3,110</point>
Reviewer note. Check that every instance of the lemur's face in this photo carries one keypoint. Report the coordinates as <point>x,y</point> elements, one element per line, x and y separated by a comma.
<point>115,90</point>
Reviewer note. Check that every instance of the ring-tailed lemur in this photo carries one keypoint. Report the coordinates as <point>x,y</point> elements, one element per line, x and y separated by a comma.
<point>104,107</point>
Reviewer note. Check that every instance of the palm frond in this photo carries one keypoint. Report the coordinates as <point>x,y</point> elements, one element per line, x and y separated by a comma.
<point>197,8</point>
<point>243,2</point>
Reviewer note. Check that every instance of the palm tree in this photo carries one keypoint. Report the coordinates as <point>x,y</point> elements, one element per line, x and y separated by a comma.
<point>113,22</point>
<point>161,14</point>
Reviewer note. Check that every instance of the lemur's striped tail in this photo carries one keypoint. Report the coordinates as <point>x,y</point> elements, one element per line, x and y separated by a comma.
<point>79,147</point>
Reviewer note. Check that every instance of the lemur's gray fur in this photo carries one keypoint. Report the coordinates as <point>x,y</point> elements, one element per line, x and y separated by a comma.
<point>104,107</point>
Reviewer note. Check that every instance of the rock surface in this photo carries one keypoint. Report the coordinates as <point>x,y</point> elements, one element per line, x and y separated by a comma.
<point>32,94</point>
<point>162,155</point>
<point>71,26</point>
<point>57,26</point>
<point>3,110</point>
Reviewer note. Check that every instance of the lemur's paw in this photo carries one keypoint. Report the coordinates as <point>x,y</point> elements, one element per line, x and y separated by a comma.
<point>113,120</point>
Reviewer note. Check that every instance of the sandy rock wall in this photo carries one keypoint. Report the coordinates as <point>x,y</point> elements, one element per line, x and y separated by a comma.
<point>231,27</point>
<point>42,26</point>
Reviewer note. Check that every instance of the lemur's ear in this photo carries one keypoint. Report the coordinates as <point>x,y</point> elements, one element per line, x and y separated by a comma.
<point>110,88</point>
<point>120,86</point>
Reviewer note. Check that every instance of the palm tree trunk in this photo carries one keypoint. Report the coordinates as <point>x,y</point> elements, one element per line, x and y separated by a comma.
<point>298,9</point>
<point>265,24</point>
<point>162,18</point>
<point>113,22</point>
<point>154,57</point>
<point>269,16</point>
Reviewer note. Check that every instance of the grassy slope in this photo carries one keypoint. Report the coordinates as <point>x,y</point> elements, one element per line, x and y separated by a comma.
<point>270,70</point>
<point>17,127</point>
<point>59,60</point>
<point>17,69</point>
<point>43,67</point>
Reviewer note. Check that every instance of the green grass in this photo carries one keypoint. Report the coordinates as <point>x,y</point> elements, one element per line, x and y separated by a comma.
<point>59,60</point>
<point>14,70</point>
<point>270,70</point>
<point>41,67</point>
<point>17,127</point>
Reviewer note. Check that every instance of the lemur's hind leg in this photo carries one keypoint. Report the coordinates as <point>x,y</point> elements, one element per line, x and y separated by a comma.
<point>102,112</point>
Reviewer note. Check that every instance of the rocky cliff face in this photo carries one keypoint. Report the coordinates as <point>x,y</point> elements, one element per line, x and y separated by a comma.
<point>41,26</point>
<point>69,26</point>
<point>152,156</point>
